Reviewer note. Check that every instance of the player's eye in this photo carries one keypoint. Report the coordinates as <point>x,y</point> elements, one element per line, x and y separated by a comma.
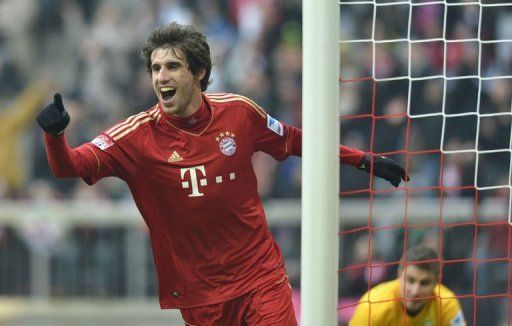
<point>174,65</point>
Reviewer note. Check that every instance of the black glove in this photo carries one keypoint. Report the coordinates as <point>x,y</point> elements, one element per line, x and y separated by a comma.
<point>384,167</point>
<point>54,118</point>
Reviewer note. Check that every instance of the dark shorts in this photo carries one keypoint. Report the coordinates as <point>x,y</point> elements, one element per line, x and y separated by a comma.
<point>269,304</point>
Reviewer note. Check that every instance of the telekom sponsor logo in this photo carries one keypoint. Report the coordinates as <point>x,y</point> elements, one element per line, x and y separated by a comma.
<point>195,177</point>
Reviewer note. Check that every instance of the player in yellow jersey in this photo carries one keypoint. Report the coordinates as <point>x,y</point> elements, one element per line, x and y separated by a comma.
<point>415,298</point>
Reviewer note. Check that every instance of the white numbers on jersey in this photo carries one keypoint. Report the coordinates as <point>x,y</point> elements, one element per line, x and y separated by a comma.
<point>193,179</point>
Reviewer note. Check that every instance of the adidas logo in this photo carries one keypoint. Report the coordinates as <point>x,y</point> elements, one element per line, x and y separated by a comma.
<point>175,157</point>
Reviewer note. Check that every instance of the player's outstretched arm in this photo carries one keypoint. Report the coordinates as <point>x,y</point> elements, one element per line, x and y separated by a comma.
<point>63,160</point>
<point>54,118</point>
<point>384,167</point>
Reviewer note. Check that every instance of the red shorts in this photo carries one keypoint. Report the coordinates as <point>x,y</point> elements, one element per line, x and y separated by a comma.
<point>270,304</point>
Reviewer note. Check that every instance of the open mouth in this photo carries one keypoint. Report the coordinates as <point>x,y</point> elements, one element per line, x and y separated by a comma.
<point>167,92</point>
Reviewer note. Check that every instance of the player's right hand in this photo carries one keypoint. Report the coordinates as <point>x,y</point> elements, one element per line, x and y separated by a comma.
<point>54,118</point>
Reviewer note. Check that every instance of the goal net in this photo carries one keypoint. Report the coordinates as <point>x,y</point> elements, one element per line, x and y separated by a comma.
<point>429,83</point>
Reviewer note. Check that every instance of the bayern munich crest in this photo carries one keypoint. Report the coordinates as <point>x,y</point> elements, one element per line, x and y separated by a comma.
<point>227,143</point>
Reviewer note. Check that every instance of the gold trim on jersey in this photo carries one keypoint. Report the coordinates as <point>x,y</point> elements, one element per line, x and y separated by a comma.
<point>125,122</point>
<point>229,97</point>
<point>122,129</point>
<point>191,133</point>
<point>132,128</point>
<point>286,143</point>
<point>97,159</point>
<point>155,113</point>
<point>188,324</point>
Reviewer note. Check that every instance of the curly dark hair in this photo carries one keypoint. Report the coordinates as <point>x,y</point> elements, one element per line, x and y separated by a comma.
<point>188,40</point>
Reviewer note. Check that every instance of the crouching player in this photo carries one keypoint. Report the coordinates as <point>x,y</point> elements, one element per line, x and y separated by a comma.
<point>414,298</point>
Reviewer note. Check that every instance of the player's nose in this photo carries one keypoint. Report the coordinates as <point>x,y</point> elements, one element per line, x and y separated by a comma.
<point>163,75</point>
<point>412,290</point>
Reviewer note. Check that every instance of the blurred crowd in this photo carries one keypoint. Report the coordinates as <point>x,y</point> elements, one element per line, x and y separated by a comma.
<point>88,50</point>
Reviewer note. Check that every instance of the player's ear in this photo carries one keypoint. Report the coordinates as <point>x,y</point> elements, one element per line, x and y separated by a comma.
<point>200,74</point>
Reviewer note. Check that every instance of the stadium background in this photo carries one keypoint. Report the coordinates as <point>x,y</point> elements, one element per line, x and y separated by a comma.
<point>62,241</point>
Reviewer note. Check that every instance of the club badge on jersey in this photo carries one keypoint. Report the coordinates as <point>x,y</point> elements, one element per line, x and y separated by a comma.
<point>275,125</point>
<point>227,143</point>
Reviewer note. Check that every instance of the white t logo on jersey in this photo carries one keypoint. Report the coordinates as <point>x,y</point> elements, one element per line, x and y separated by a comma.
<point>193,180</point>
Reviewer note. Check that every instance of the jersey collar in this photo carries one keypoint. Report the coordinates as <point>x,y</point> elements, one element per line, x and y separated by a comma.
<point>196,124</point>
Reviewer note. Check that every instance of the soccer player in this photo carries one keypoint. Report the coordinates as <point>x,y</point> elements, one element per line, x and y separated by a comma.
<point>414,298</point>
<point>187,163</point>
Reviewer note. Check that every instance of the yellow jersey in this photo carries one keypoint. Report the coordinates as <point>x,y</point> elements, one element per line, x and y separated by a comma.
<point>382,306</point>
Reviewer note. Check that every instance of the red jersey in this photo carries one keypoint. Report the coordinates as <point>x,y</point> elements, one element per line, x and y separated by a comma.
<point>197,193</point>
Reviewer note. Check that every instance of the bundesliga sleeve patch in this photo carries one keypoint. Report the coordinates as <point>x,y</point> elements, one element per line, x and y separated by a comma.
<point>274,125</point>
<point>102,142</point>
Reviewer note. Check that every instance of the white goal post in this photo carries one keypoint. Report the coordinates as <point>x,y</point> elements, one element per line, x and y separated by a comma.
<point>320,163</point>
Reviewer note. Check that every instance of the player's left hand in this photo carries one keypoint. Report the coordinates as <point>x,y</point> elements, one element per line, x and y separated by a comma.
<point>384,167</point>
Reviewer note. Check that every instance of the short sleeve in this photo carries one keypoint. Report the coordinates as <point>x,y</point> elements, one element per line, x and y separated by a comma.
<point>452,313</point>
<point>361,313</point>
<point>270,135</point>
